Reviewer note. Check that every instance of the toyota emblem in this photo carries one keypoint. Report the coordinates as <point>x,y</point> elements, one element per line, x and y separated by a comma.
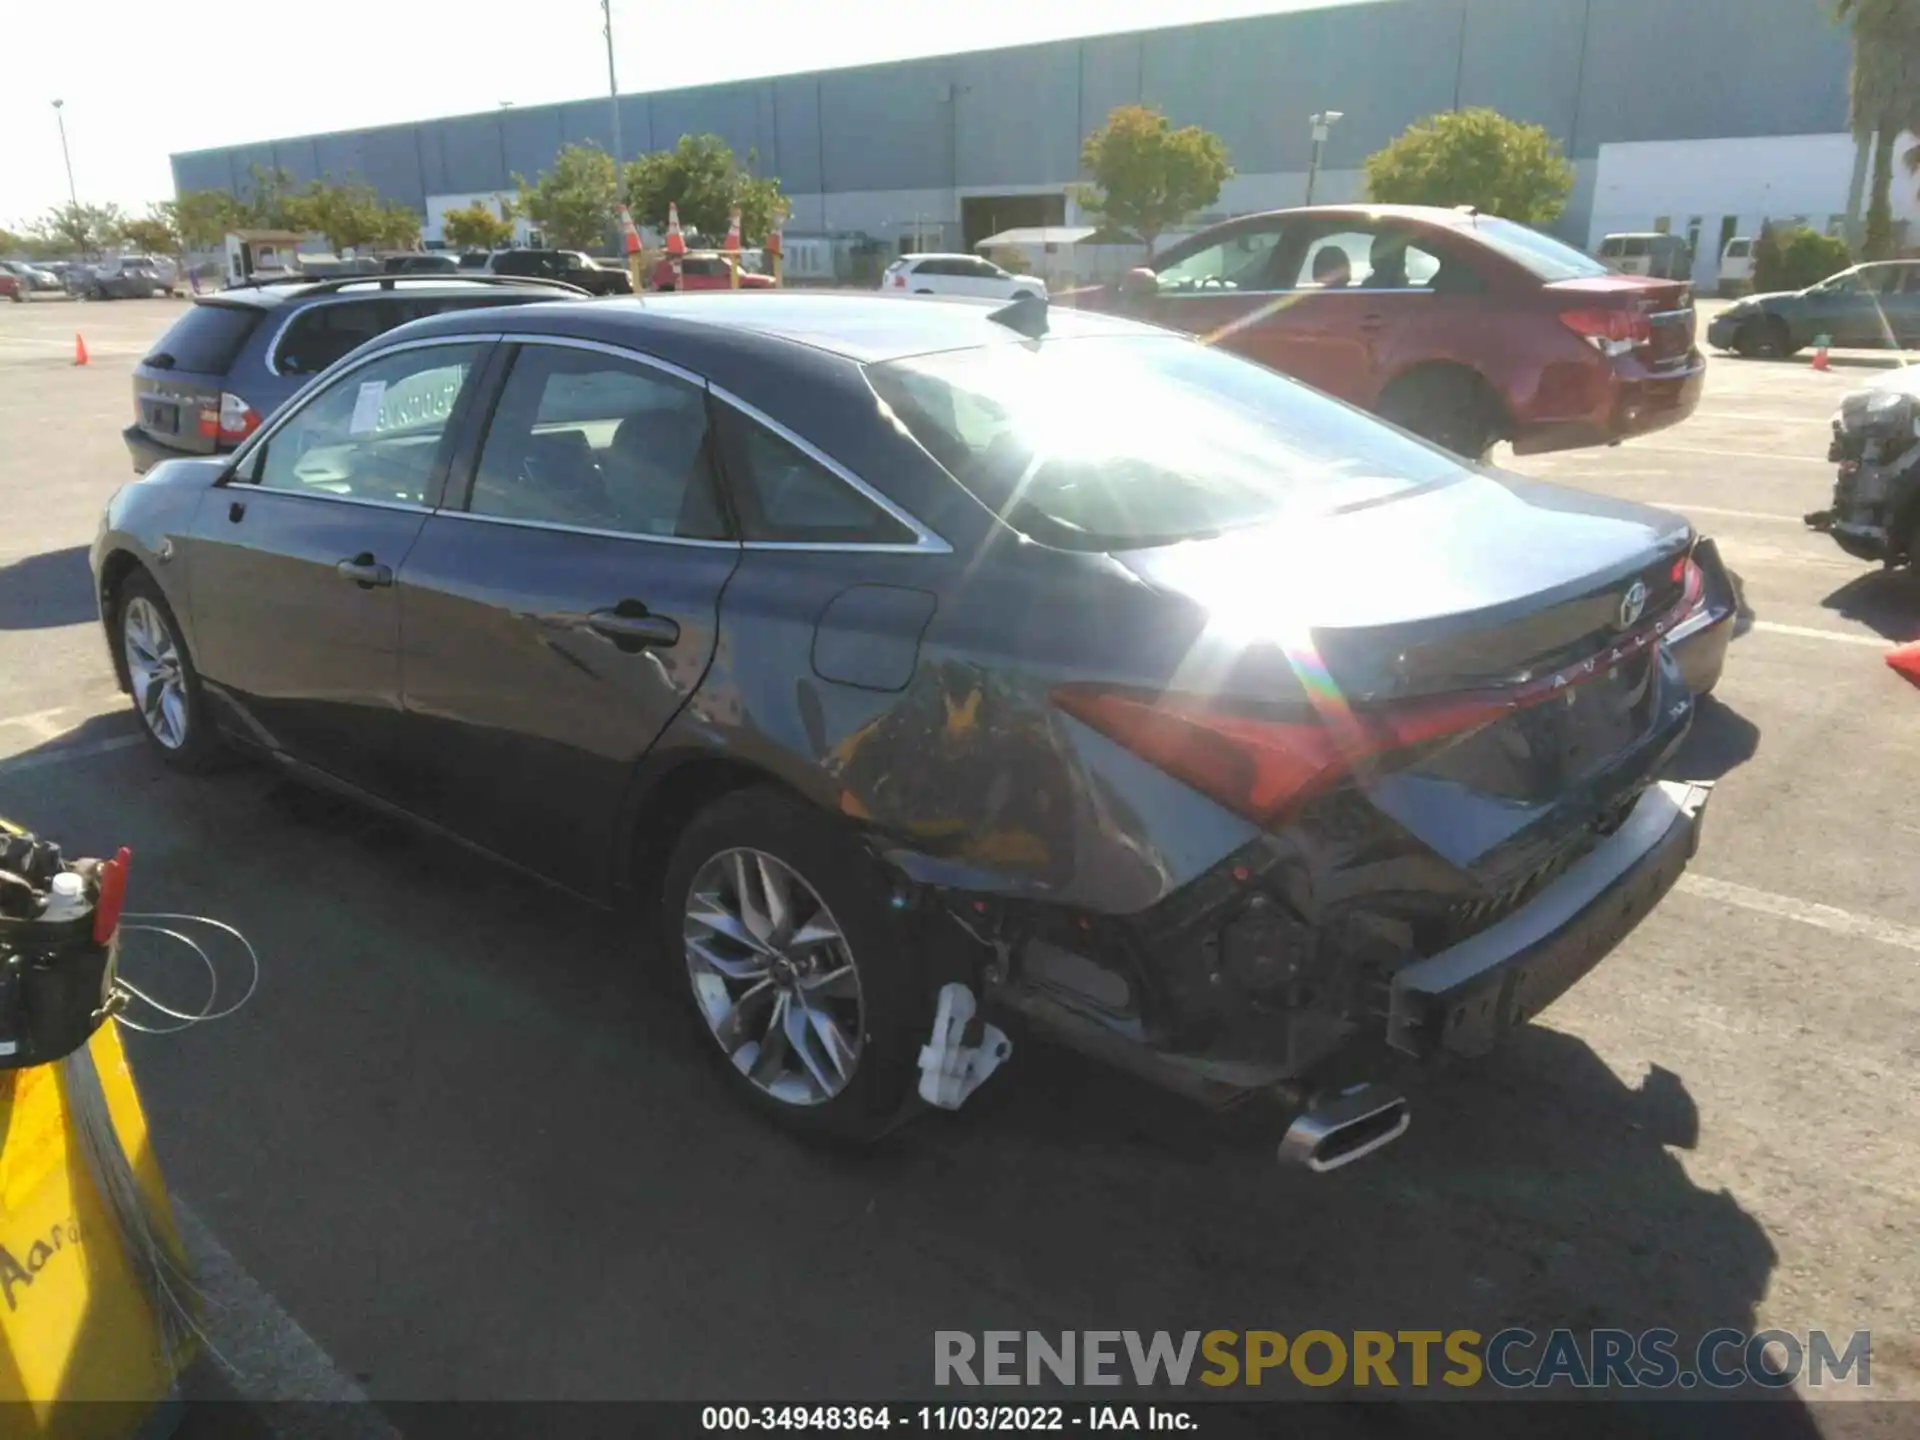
<point>1632,604</point>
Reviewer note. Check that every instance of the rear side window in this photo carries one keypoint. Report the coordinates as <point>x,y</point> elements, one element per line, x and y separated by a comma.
<point>322,334</point>
<point>207,339</point>
<point>1540,255</point>
<point>785,496</point>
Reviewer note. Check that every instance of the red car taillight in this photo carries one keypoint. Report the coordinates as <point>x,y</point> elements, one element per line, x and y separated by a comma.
<point>231,423</point>
<point>1256,767</point>
<point>1610,331</point>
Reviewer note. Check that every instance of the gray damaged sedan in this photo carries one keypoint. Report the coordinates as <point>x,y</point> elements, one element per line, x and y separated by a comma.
<point>916,672</point>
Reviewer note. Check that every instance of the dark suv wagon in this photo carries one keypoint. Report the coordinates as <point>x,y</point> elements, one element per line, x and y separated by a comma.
<point>226,365</point>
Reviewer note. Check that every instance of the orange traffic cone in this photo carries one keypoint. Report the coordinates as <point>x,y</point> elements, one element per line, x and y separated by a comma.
<point>628,232</point>
<point>79,350</point>
<point>733,232</point>
<point>676,242</point>
<point>1905,662</point>
<point>1820,353</point>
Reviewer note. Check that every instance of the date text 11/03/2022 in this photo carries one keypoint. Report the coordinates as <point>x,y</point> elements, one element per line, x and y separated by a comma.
<point>987,1419</point>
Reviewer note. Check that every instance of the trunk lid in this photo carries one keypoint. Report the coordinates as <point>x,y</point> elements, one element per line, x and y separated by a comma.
<point>1542,600</point>
<point>1666,306</point>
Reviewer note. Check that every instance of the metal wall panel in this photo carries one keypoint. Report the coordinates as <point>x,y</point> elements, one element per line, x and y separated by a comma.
<point>1019,114</point>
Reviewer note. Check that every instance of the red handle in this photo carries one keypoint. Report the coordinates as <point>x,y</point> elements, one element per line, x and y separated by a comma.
<point>113,896</point>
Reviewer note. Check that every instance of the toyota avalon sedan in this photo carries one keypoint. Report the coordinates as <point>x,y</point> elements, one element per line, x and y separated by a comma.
<point>911,668</point>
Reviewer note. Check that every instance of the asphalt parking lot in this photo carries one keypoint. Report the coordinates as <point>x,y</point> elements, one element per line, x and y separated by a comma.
<point>456,1148</point>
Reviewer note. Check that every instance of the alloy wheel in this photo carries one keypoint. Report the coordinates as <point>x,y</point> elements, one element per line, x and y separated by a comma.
<point>774,977</point>
<point>156,670</point>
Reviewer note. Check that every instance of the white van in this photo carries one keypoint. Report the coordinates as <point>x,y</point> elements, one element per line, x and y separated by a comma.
<point>1655,253</point>
<point>1736,266</point>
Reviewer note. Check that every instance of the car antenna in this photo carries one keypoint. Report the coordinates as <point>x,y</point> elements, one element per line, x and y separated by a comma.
<point>1026,316</point>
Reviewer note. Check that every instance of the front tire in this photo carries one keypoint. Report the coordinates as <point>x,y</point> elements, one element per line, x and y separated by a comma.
<point>168,697</point>
<point>778,929</point>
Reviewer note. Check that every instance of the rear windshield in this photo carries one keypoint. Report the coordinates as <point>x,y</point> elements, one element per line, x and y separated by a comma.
<point>1737,249</point>
<point>206,339</point>
<point>1127,442</point>
<point>1541,255</point>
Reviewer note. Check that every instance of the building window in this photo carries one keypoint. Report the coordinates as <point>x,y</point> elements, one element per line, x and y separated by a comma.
<point>1694,222</point>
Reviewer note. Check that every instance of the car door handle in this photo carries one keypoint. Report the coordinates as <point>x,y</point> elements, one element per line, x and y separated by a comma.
<point>630,627</point>
<point>364,571</point>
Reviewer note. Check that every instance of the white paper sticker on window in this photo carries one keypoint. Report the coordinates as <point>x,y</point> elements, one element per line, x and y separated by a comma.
<point>366,408</point>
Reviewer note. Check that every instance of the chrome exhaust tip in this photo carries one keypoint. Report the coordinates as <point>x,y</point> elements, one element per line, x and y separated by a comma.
<point>1346,1127</point>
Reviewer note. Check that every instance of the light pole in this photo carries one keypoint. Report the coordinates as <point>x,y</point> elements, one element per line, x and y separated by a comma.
<point>613,86</point>
<point>61,120</point>
<point>1322,124</point>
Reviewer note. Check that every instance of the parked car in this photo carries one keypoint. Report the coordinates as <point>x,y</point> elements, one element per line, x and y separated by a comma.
<point>102,280</point>
<point>431,262</point>
<point>1654,253</point>
<point>32,277</point>
<point>1875,510</point>
<point>1736,266</point>
<point>705,270</point>
<point>12,286</point>
<point>958,275</point>
<point>569,266</point>
<point>1870,306</point>
<point>159,266</point>
<point>1460,327</point>
<point>1280,736</point>
<point>224,367</point>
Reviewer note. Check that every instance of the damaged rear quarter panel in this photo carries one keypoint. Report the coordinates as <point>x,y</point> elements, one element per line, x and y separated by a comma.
<point>967,776</point>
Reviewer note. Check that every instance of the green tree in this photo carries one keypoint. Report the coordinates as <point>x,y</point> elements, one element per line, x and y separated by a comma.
<point>396,226</point>
<point>704,178</point>
<point>80,229</point>
<point>348,215</point>
<point>267,201</point>
<point>11,243</point>
<point>204,217</point>
<point>477,227</point>
<point>1800,258</point>
<point>1474,157</point>
<point>155,233</point>
<point>572,202</point>
<point>1883,99</point>
<point>1148,176</point>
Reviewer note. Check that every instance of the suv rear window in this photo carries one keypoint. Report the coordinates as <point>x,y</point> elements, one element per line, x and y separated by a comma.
<point>206,339</point>
<point>1111,444</point>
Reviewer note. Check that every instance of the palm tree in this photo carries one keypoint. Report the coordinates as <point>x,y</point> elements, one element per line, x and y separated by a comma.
<point>1883,98</point>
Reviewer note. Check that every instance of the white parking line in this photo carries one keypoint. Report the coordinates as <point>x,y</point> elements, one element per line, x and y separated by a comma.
<point>1687,509</point>
<point>1805,912</point>
<point>1821,420</point>
<point>1718,454</point>
<point>268,1358</point>
<point>1810,632</point>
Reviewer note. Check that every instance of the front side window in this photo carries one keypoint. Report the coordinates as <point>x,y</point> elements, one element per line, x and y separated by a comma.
<point>376,433</point>
<point>1121,443</point>
<point>1239,262</point>
<point>591,440</point>
<point>1357,257</point>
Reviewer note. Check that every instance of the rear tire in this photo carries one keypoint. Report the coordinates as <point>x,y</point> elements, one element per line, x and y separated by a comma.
<point>168,698</point>
<point>1450,407</point>
<point>752,877</point>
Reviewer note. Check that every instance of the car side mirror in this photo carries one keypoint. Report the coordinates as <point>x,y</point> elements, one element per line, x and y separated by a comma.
<point>1139,283</point>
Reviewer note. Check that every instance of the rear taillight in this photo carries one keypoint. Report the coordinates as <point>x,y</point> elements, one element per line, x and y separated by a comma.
<point>231,423</point>
<point>1611,331</point>
<point>1261,768</point>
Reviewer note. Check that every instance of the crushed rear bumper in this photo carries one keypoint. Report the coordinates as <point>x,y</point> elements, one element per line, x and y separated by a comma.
<point>1464,998</point>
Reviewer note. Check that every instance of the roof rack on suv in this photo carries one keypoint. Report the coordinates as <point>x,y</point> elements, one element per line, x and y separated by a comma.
<point>387,282</point>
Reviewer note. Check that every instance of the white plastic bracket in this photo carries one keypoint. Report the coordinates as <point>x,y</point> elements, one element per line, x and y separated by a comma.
<point>949,1070</point>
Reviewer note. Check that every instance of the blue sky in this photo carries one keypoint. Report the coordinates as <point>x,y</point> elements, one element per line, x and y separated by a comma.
<point>154,85</point>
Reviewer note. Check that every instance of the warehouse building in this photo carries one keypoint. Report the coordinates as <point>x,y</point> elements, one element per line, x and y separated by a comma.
<point>1705,115</point>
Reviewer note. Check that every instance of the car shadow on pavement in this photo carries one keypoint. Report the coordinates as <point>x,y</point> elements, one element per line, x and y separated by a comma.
<point>1721,741</point>
<point>468,1135</point>
<point>47,591</point>
<point>1887,601</point>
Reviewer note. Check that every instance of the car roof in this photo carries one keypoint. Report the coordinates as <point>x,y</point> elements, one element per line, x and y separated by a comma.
<point>937,255</point>
<point>859,326</point>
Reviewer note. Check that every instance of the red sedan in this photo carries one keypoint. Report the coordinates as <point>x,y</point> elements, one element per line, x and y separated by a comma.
<point>1462,327</point>
<point>706,271</point>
